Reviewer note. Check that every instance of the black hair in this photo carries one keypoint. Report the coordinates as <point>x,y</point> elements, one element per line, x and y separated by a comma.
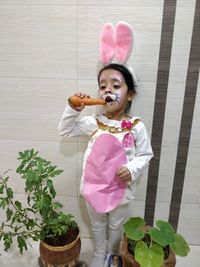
<point>125,73</point>
<point>127,77</point>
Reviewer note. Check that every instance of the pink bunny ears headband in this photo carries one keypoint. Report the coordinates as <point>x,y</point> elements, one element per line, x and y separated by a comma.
<point>116,44</point>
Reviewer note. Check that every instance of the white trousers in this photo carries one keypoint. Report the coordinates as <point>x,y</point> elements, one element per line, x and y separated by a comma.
<point>107,223</point>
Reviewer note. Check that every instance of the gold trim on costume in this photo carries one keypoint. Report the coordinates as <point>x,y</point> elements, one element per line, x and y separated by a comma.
<point>115,130</point>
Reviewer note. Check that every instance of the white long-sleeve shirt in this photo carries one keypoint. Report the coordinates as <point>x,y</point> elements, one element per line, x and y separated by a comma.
<point>138,155</point>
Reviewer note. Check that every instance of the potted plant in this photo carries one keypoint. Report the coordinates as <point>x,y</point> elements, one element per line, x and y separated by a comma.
<point>40,219</point>
<point>148,246</point>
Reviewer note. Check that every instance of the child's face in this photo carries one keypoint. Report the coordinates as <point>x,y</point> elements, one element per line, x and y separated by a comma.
<point>113,88</point>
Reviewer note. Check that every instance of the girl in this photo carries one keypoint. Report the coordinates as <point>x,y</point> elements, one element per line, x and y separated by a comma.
<point>118,152</point>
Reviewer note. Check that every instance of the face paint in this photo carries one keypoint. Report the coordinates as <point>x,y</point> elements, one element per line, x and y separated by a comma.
<point>117,78</point>
<point>109,97</point>
<point>120,96</point>
<point>113,89</point>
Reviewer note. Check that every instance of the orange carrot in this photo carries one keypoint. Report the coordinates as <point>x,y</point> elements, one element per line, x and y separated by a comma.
<point>87,101</point>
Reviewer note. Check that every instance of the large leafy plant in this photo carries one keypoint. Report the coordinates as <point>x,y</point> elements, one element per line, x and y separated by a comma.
<point>40,218</point>
<point>151,245</point>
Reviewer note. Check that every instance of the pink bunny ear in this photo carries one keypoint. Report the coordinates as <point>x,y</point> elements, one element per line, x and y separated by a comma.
<point>107,46</point>
<point>123,41</point>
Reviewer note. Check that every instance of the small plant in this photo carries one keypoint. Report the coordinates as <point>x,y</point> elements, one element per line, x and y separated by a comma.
<point>39,219</point>
<point>150,246</point>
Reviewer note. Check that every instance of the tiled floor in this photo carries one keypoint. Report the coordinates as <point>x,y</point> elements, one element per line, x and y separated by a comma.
<point>30,258</point>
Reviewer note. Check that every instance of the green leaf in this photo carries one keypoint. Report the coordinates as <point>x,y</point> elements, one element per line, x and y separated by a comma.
<point>18,205</point>
<point>21,244</point>
<point>57,205</point>
<point>3,202</point>
<point>26,153</point>
<point>55,173</point>
<point>29,177</point>
<point>180,246</point>
<point>133,228</point>
<point>13,220</point>
<point>1,189</point>
<point>28,199</point>
<point>9,192</point>
<point>52,168</point>
<point>9,214</point>
<point>30,225</point>
<point>21,166</point>
<point>165,235</point>
<point>21,155</point>
<point>51,188</point>
<point>46,163</point>
<point>32,152</point>
<point>7,241</point>
<point>149,257</point>
<point>35,153</point>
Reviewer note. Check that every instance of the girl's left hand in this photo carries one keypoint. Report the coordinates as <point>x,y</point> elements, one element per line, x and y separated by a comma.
<point>124,174</point>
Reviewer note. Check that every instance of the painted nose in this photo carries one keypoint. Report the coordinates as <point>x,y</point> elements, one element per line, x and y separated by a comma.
<point>108,90</point>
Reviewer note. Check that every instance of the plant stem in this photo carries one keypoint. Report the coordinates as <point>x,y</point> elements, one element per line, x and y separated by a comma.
<point>14,206</point>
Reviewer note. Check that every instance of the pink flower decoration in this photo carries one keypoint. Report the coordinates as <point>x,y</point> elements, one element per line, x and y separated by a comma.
<point>123,124</point>
<point>128,140</point>
<point>126,124</point>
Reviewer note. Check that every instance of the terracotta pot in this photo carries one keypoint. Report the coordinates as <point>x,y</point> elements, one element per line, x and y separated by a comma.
<point>60,256</point>
<point>129,260</point>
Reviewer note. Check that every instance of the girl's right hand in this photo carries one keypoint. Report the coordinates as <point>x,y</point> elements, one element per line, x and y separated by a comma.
<point>82,106</point>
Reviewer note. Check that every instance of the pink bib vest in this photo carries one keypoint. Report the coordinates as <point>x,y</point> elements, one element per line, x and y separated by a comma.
<point>102,188</point>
